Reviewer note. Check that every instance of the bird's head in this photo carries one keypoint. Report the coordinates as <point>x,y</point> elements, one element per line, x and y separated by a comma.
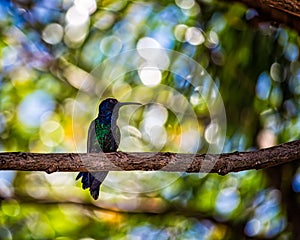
<point>107,106</point>
<point>110,107</point>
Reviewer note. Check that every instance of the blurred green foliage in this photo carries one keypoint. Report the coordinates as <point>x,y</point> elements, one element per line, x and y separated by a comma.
<point>55,59</point>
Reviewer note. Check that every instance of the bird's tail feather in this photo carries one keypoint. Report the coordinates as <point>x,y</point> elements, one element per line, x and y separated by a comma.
<point>92,181</point>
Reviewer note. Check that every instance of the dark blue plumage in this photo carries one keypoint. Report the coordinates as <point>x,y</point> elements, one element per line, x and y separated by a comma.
<point>103,136</point>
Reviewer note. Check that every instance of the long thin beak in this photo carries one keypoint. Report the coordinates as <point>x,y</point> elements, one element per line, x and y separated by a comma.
<point>120,104</point>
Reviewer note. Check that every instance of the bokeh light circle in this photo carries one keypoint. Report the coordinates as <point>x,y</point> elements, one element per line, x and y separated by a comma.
<point>110,46</point>
<point>53,33</point>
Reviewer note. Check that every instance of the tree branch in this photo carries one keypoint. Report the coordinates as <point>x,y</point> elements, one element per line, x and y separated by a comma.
<point>282,11</point>
<point>174,162</point>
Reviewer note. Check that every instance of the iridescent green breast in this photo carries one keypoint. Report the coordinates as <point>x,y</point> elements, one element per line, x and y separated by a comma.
<point>102,132</point>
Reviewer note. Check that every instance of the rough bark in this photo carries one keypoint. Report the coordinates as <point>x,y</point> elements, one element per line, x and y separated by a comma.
<point>281,11</point>
<point>175,162</point>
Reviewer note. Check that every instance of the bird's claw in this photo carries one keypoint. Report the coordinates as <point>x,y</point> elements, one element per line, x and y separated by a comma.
<point>119,154</point>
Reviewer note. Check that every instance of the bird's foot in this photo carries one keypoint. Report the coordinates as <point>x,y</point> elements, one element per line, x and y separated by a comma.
<point>119,154</point>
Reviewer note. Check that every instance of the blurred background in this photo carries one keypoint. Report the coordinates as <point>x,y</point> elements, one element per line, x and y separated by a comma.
<point>221,82</point>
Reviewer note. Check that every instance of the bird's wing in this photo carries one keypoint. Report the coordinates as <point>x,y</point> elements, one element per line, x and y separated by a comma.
<point>92,142</point>
<point>92,180</point>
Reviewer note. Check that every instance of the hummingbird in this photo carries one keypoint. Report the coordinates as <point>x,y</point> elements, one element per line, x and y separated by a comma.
<point>103,136</point>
